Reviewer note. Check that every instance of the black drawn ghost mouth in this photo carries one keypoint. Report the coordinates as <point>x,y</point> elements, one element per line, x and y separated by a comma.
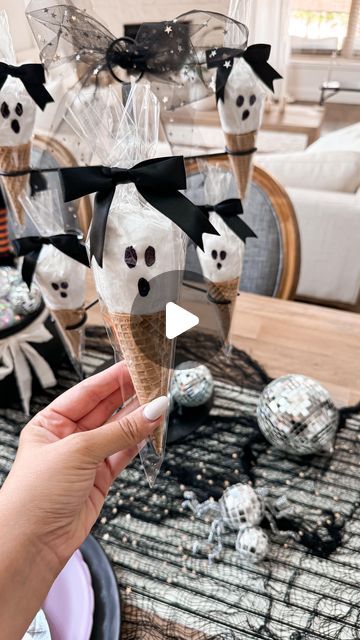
<point>6,113</point>
<point>143,287</point>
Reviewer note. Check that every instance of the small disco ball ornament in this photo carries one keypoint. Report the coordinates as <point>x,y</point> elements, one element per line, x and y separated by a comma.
<point>7,316</point>
<point>9,275</point>
<point>296,414</point>
<point>241,507</point>
<point>252,544</point>
<point>5,284</point>
<point>24,301</point>
<point>192,384</point>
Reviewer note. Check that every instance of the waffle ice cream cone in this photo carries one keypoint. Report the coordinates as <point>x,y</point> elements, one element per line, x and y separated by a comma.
<point>223,295</point>
<point>66,319</point>
<point>15,159</point>
<point>241,164</point>
<point>147,352</point>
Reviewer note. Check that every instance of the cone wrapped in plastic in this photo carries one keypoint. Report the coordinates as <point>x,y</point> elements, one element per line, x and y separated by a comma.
<point>241,148</point>
<point>61,279</point>
<point>17,122</point>
<point>147,359</point>
<point>222,259</point>
<point>240,116</point>
<point>141,245</point>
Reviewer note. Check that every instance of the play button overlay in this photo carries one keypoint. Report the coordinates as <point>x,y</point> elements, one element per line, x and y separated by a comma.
<point>178,320</point>
<point>171,309</point>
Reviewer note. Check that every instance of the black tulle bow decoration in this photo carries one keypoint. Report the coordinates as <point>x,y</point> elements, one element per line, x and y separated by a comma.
<point>30,247</point>
<point>230,210</point>
<point>155,51</point>
<point>171,54</point>
<point>256,56</point>
<point>157,180</point>
<point>33,78</point>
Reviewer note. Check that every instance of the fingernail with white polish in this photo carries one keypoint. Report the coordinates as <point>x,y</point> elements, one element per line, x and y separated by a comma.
<point>156,408</point>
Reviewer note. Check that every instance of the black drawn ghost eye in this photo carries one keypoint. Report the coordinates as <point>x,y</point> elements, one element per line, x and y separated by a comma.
<point>245,114</point>
<point>150,256</point>
<point>222,255</point>
<point>19,109</point>
<point>252,100</point>
<point>240,101</point>
<point>130,257</point>
<point>55,286</point>
<point>15,126</point>
<point>143,287</point>
<point>214,254</point>
<point>64,285</point>
<point>5,111</point>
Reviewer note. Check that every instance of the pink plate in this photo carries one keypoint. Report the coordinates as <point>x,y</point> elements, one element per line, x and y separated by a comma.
<point>69,606</point>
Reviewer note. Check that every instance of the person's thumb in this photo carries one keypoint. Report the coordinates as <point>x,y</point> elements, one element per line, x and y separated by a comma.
<point>126,431</point>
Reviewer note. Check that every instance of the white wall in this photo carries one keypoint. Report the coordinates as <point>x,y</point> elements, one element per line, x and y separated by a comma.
<point>116,13</point>
<point>306,75</point>
<point>20,30</point>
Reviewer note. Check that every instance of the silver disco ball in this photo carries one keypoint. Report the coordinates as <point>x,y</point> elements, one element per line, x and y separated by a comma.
<point>241,507</point>
<point>24,301</point>
<point>4,283</point>
<point>8,277</point>
<point>252,544</point>
<point>296,414</point>
<point>192,384</point>
<point>7,316</point>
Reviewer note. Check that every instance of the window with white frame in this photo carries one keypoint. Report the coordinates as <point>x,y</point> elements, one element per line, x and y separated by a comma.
<point>325,26</point>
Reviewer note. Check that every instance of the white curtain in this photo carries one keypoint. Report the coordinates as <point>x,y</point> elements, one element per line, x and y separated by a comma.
<point>268,22</point>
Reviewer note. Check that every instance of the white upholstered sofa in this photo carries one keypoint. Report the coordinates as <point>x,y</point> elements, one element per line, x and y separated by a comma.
<point>323,183</point>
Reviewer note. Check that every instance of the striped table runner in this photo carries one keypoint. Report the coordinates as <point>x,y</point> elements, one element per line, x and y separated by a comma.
<point>298,593</point>
<point>4,234</point>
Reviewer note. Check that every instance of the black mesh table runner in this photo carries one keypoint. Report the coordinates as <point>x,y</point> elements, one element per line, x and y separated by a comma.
<point>304,590</point>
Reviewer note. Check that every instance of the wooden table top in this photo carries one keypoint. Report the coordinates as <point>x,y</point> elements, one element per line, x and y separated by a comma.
<point>293,337</point>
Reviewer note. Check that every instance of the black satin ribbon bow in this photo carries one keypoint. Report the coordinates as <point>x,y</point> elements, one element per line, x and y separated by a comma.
<point>230,210</point>
<point>33,78</point>
<point>256,56</point>
<point>30,248</point>
<point>157,180</point>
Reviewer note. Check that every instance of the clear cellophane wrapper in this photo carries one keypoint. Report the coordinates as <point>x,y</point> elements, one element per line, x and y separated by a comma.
<point>240,115</point>
<point>222,259</point>
<point>141,245</point>
<point>61,279</point>
<point>17,122</point>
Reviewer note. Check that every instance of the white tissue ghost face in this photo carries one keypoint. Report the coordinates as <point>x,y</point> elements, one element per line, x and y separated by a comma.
<point>241,110</point>
<point>61,279</point>
<point>222,257</point>
<point>17,114</point>
<point>133,257</point>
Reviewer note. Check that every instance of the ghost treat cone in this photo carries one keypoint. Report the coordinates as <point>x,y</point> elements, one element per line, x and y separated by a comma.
<point>142,252</point>
<point>61,279</point>
<point>62,283</point>
<point>17,119</point>
<point>222,259</point>
<point>141,246</point>
<point>240,116</point>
